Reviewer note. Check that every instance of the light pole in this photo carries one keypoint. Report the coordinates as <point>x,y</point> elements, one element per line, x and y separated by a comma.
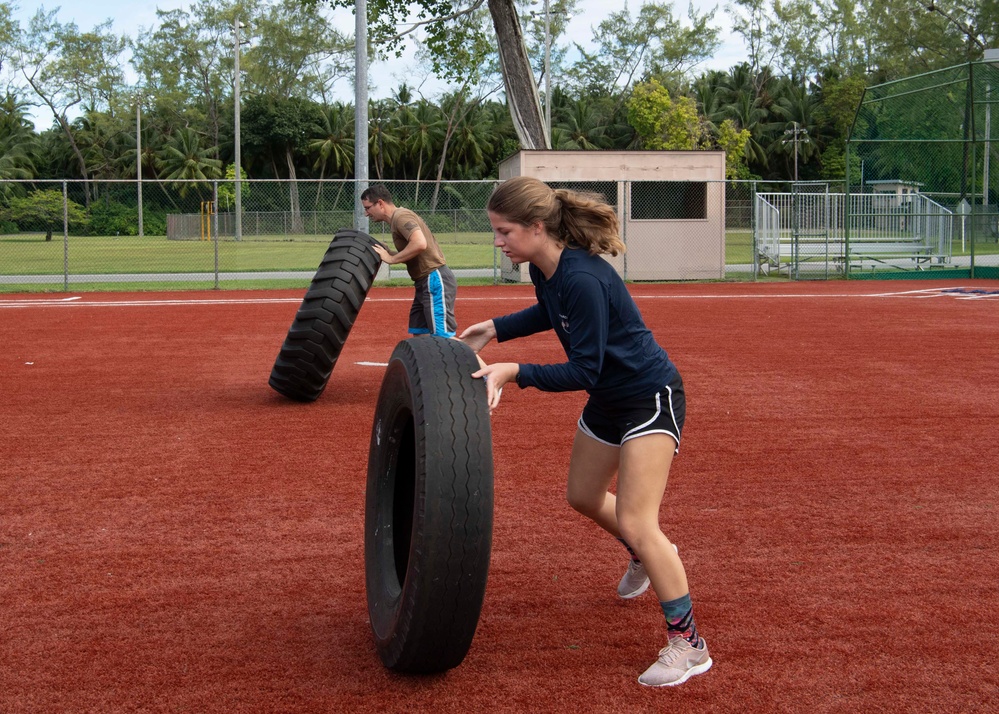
<point>238,228</point>
<point>361,112</point>
<point>548,75</point>
<point>805,140</point>
<point>138,159</point>
<point>548,65</point>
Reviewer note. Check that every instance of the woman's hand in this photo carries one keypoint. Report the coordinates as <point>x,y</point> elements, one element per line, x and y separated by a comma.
<point>478,335</point>
<point>496,375</point>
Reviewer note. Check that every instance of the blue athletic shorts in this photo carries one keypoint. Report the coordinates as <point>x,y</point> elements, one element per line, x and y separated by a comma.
<point>660,413</point>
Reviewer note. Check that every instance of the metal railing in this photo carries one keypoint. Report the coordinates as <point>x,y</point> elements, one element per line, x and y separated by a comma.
<point>807,231</point>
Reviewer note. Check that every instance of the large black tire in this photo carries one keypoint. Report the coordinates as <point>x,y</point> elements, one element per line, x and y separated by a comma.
<point>429,506</point>
<point>324,319</point>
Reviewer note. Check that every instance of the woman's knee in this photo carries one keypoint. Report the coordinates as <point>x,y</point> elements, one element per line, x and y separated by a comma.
<point>638,530</point>
<point>584,502</point>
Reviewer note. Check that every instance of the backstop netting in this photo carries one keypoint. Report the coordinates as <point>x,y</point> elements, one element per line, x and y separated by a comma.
<point>924,149</point>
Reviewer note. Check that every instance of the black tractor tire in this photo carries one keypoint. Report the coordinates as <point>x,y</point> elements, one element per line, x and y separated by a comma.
<point>428,516</point>
<point>324,319</point>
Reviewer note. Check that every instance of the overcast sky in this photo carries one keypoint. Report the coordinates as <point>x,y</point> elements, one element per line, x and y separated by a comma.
<point>131,15</point>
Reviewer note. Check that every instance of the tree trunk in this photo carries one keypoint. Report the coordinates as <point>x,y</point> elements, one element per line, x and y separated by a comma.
<point>296,210</point>
<point>521,90</point>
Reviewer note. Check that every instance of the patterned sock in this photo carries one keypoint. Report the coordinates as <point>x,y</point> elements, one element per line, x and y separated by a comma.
<point>633,556</point>
<point>680,619</point>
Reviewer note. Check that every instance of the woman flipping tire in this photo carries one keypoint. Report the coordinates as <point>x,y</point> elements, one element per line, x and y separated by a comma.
<point>429,501</point>
<point>324,319</point>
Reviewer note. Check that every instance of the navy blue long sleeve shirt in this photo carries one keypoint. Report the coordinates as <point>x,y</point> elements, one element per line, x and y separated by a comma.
<point>611,353</point>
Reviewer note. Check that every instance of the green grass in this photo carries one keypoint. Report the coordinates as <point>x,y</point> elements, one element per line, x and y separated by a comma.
<point>739,247</point>
<point>21,255</point>
<point>30,254</point>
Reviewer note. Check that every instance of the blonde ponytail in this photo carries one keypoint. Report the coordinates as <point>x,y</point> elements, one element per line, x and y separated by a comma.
<point>574,218</point>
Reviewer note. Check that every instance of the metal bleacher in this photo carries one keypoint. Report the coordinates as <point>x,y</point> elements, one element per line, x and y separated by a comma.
<point>803,232</point>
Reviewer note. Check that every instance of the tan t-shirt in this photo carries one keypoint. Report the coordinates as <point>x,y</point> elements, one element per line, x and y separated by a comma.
<point>402,225</point>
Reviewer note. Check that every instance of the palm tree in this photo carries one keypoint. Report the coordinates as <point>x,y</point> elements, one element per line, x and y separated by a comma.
<point>384,146</point>
<point>795,105</point>
<point>426,135</point>
<point>471,142</point>
<point>151,147</point>
<point>19,146</point>
<point>582,126</point>
<point>744,106</point>
<point>182,159</point>
<point>334,144</point>
<point>709,92</point>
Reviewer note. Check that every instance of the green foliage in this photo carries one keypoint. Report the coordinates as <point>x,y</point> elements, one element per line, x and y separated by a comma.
<point>43,210</point>
<point>108,218</point>
<point>733,142</point>
<point>184,160</point>
<point>458,36</point>
<point>227,190</point>
<point>806,63</point>
<point>663,123</point>
<point>834,165</point>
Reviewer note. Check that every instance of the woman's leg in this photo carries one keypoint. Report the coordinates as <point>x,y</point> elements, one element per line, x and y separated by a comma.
<point>642,474</point>
<point>591,471</point>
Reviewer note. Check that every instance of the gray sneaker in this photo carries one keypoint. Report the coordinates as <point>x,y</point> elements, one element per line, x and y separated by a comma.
<point>635,581</point>
<point>677,663</point>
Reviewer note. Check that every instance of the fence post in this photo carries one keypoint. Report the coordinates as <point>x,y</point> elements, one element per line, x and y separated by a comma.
<point>65,238</point>
<point>215,202</point>
<point>622,202</point>
<point>846,213</point>
<point>753,223</point>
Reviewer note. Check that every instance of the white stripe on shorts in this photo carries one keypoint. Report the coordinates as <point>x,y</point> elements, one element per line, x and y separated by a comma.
<point>630,434</point>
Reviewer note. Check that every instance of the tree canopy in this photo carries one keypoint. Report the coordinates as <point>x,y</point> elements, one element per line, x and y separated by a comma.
<point>636,82</point>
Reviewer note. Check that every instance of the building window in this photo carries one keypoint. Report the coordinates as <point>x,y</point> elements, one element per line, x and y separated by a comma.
<point>669,200</point>
<point>605,189</point>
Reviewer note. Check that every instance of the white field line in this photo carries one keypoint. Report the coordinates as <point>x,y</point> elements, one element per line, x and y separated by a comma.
<point>82,300</point>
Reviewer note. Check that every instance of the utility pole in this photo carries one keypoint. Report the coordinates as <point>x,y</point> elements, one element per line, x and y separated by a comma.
<point>238,228</point>
<point>792,135</point>
<point>138,158</point>
<point>360,111</point>
<point>548,74</point>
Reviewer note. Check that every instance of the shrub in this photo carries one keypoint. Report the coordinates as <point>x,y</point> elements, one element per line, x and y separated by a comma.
<point>108,218</point>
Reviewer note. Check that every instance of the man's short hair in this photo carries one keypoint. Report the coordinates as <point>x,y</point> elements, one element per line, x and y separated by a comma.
<point>376,193</point>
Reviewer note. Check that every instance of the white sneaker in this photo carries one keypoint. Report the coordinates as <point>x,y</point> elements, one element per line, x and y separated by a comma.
<point>635,581</point>
<point>677,663</point>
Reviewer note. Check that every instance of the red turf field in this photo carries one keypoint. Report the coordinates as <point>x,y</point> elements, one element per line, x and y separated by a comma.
<point>175,536</point>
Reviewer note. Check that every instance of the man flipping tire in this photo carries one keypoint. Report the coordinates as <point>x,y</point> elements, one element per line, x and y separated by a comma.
<point>432,311</point>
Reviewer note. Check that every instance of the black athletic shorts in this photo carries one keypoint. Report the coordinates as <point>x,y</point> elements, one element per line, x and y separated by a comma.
<point>659,413</point>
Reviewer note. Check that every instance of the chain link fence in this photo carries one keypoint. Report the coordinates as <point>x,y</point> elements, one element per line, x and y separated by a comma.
<point>923,153</point>
<point>153,235</point>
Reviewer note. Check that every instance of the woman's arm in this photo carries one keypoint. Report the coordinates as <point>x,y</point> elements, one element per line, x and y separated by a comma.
<point>478,335</point>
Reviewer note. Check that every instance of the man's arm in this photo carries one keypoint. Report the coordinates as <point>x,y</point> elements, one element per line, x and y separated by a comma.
<point>416,244</point>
